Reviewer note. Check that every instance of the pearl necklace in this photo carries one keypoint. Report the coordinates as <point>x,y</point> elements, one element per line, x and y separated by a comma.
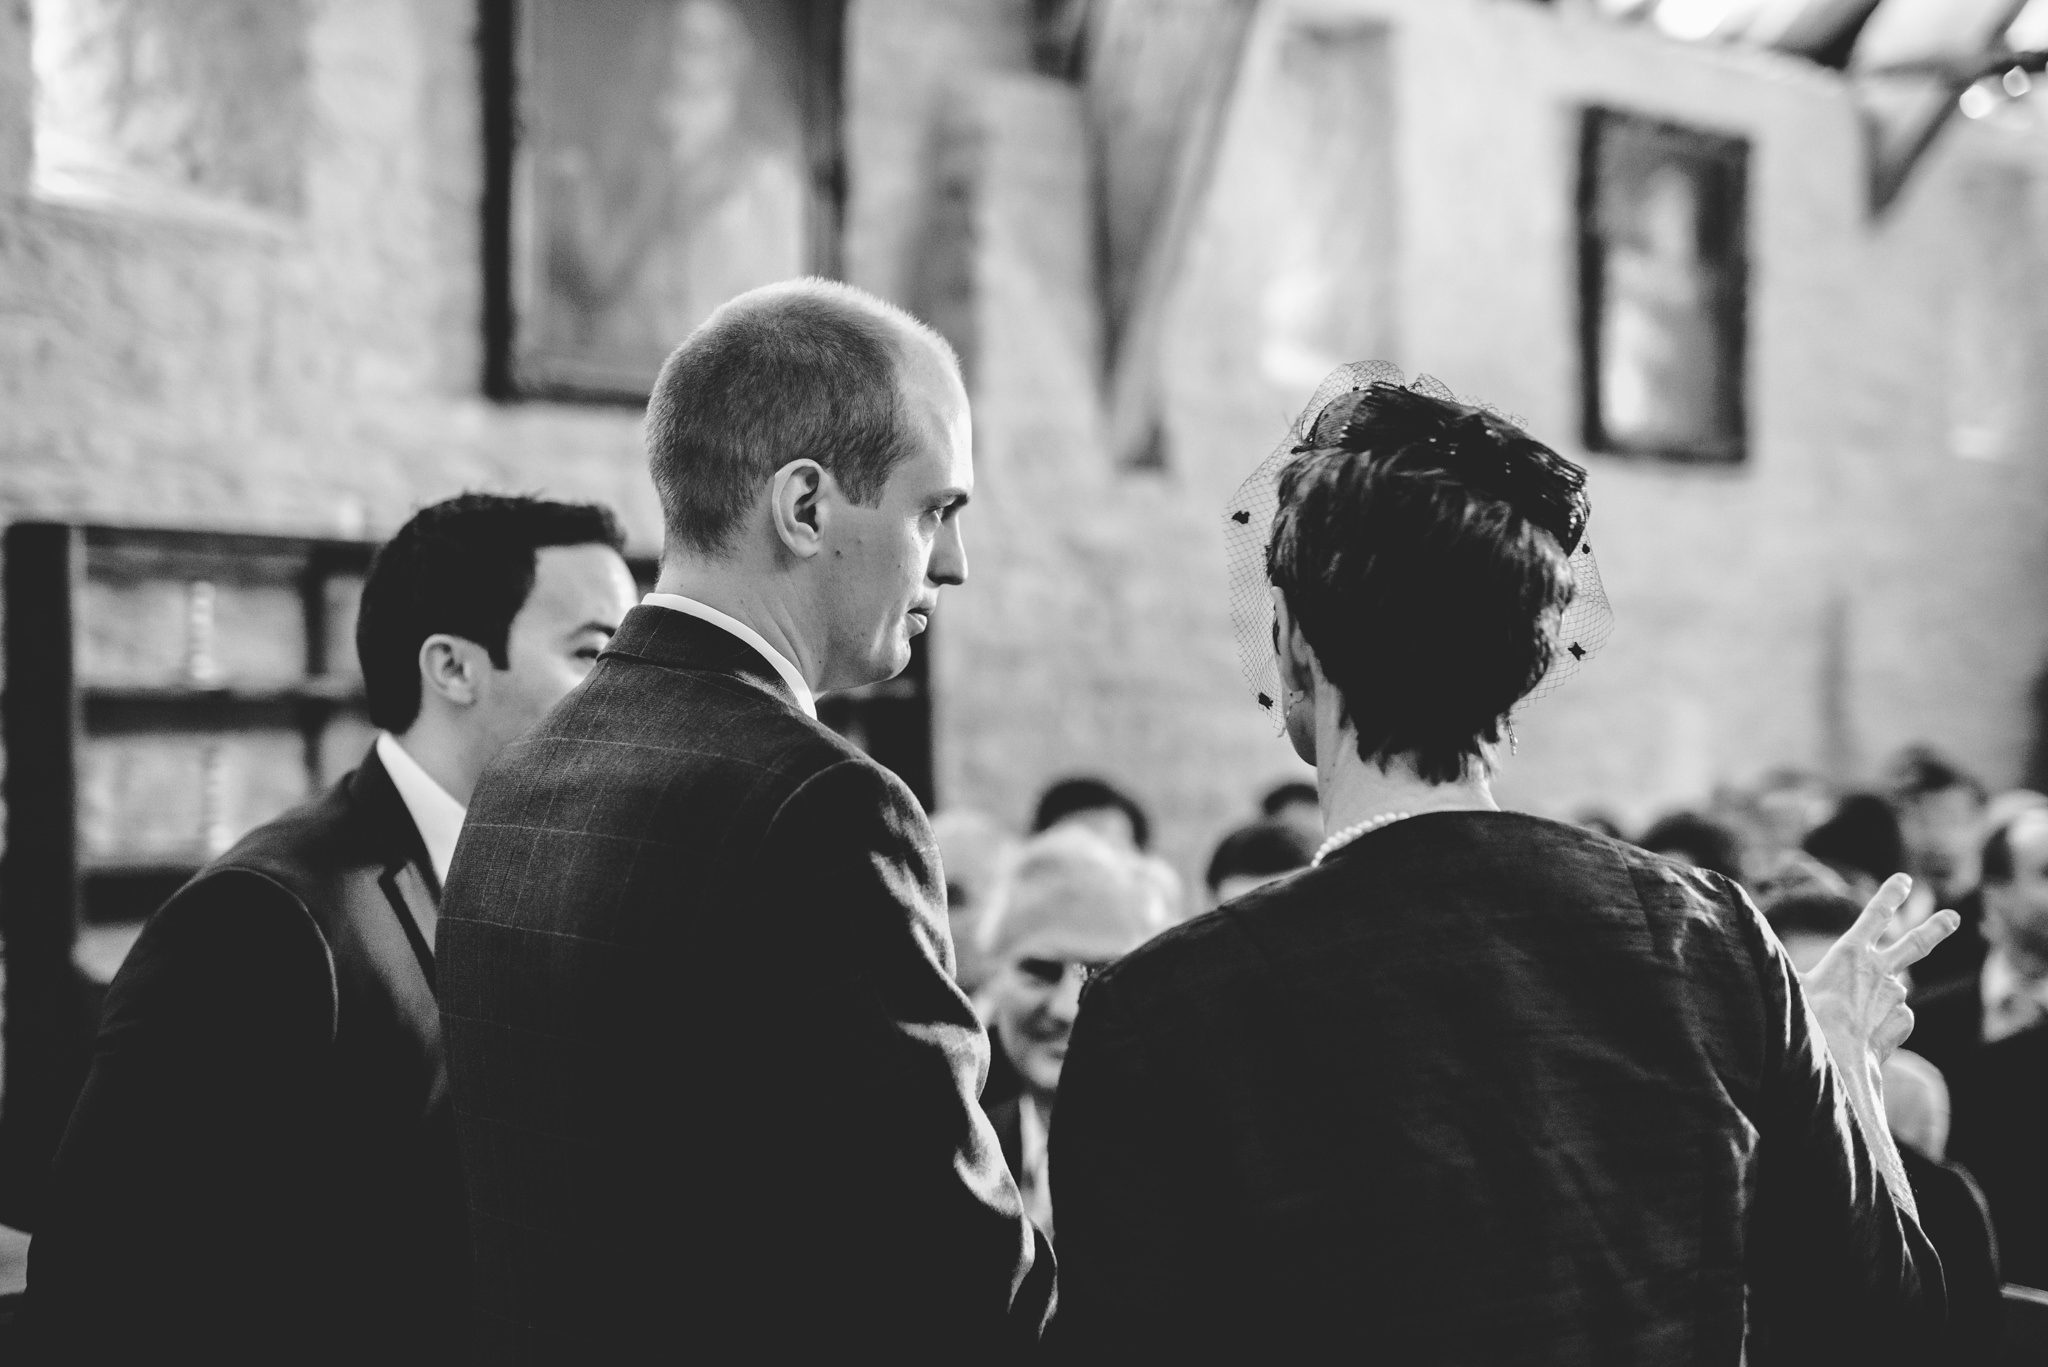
<point>1351,833</point>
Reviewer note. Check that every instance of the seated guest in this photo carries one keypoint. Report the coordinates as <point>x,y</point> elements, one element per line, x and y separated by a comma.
<point>1697,840</point>
<point>972,852</point>
<point>262,1166</point>
<point>1989,1035</point>
<point>1296,804</point>
<point>2009,992</point>
<point>1253,856</point>
<point>1100,806</point>
<point>1941,822</point>
<point>1477,1087</point>
<point>1953,1209</point>
<point>1861,843</point>
<point>1073,904</point>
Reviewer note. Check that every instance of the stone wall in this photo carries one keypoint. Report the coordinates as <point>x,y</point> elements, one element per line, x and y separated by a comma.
<point>1855,585</point>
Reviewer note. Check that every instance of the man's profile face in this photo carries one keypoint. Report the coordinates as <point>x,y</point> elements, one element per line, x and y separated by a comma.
<point>2017,911</point>
<point>1940,830</point>
<point>579,595</point>
<point>887,563</point>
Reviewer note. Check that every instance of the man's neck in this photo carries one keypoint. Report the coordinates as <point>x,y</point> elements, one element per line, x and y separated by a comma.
<point>738,592</point>
<point>2032,968</point>
<point>443,752</point>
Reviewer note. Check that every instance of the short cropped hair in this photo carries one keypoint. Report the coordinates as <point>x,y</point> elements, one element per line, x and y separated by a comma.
<point>1863,835</point>
<point>462,567</point>
<point>1259,850</point>
<point>805,369</point>
<point>1921,770</point>
<point>1070,796</point>
<point>1701,840</point>
<point>1431,606</point>
<point>1284,795</point>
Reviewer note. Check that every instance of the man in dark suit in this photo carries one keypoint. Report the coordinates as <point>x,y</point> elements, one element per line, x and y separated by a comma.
<point>713,1082</point>
<point>261,1167</point>
<point>1988,1033</point>
<point>2007,993</point>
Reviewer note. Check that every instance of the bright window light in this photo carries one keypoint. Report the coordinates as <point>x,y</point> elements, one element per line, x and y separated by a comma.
<point>2029,32</point>
<point>1979,102</point>
<point>1691,19</point>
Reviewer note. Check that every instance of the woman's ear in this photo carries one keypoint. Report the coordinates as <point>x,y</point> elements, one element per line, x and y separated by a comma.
<point>1297,661</point>
<point>798,506</point>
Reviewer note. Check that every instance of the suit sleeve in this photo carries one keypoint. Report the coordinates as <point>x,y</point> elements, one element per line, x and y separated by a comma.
<point>1837,1270</point>
<point>1133,1286</point>
<point>180,1198</point>
<point>949,1263</point>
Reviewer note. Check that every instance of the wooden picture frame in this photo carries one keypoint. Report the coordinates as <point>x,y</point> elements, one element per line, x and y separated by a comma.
<point>1663,280</point>
<point>647,160</point>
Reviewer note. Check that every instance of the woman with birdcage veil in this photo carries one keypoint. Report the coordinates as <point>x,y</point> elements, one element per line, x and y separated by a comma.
<point>1475,1087</point>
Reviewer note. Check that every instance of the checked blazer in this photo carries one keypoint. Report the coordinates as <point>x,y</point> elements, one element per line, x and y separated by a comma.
<point>713,1082</point>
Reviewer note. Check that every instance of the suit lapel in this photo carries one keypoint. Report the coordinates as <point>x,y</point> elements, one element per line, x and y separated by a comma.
<point>408,880</point>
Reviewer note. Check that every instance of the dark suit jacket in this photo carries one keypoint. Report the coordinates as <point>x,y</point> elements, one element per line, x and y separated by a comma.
<point>1948,1023</point>
<point>1999,1101</point>
<point>261,1165</point>
<point>713,1082</point>
<point>1479,1089</point>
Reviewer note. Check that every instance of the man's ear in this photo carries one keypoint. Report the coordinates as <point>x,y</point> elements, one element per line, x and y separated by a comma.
<point>452,668</point>
<point>799,507</point>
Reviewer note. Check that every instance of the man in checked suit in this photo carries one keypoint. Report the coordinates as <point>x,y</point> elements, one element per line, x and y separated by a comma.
<point>714,1086</point>
<point>261,1168</point>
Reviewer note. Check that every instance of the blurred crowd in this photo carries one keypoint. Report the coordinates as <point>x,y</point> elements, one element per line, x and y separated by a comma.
<point>1035,914</point>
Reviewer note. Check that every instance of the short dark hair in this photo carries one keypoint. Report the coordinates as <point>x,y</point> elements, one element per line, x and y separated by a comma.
<point>1812,913</point>
<point>1070,795</point>
<point>1921,770</point>
<point>1282,796</point>
<point>804,369</point>
<point>462,567</point>
<point>1863,835</point>
<point>1431,605</point>
<point>1260,849</point>
<point>1701,839</point>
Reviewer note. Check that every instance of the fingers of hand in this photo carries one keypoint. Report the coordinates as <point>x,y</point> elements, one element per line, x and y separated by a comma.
<point>1870,926</point>
<point>1893,1032</point>
<point>1914,946</point>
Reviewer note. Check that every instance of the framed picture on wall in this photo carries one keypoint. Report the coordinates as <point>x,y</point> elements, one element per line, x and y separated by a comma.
<point>649,160</point>
<point>1663,276</point>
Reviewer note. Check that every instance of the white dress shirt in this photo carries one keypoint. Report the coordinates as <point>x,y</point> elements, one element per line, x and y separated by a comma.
<point>705,612</point>
<point>2011,1002</point>
<point>436,815</point>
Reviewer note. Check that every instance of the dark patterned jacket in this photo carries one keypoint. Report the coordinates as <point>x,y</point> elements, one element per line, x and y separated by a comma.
<point>714,1086</point>
<point>1479,1089</point>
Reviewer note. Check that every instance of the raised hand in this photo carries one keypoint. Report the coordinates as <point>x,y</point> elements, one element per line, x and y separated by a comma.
<point>1856,989</point>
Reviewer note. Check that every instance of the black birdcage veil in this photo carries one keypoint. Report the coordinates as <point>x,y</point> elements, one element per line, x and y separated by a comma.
<point>1248,524</point>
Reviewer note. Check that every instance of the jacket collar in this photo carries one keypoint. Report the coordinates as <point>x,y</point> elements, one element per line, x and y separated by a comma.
<point>675,640</point>
<point>408,880</point>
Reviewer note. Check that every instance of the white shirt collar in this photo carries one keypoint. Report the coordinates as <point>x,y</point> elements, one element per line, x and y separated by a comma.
<point>705,612</point>
<point>436,815</point>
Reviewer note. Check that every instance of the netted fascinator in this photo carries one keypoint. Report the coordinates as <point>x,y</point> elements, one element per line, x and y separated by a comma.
<point>1370,408</point>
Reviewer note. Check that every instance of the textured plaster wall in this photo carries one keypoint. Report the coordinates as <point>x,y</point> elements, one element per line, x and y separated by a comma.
<point>319,370</point>
<point>315,370</point>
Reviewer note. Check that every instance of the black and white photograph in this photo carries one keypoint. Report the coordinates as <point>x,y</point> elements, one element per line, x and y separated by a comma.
<point>1024,681</point>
